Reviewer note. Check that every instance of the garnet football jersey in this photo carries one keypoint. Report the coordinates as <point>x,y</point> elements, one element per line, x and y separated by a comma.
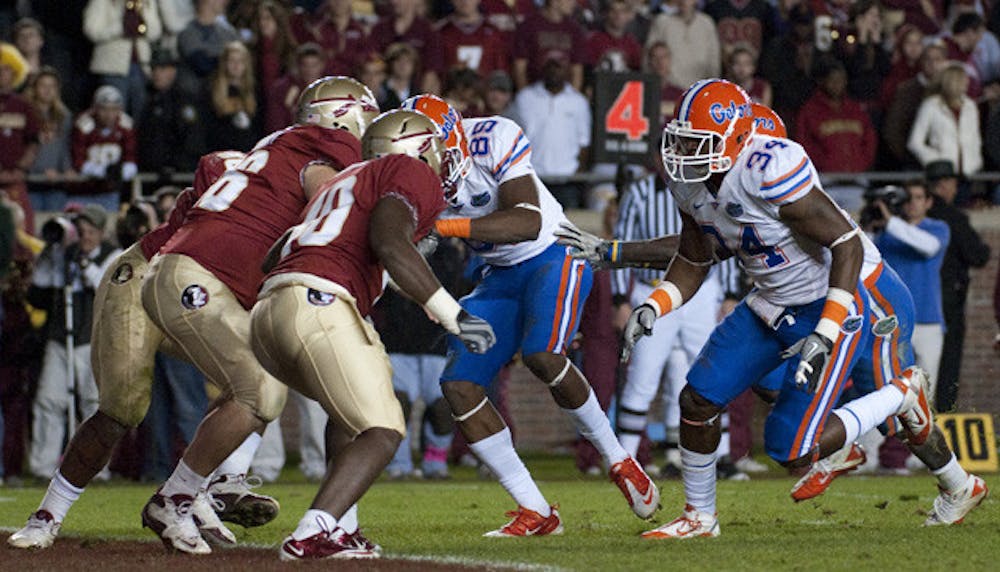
<point>332,241</point>
<point>235,222</point>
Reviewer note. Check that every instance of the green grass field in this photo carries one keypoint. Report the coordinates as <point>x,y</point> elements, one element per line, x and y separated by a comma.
<point>862,523</point>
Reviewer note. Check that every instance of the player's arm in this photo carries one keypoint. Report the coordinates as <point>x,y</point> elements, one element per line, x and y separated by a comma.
<point>391,238</point>
<point>601,253</point>
<point>518,218</point>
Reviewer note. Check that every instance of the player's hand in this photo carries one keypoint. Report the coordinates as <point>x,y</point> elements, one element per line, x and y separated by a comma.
<point>476,333</point>
<point>640,323</point>
<point>814,351</point>
<point>584,245</point>
<point>428,244</point>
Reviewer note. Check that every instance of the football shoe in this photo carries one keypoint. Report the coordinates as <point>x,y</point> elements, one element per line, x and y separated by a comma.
<point>691,524</point>
<point>170,518</point>
<point>237,503</point>
<point>915,413</point>
<point>821,474</point>
<point>527,522</point>
<point>324,544</point>
<point>361,541</point>
<point>40,531</point>
<point>640,491</point>
<point>952,507</point>
<point>211,528</point>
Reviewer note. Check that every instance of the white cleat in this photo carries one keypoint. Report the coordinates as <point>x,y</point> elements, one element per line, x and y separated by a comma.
<point>640,491</point>
<point>915,413</point>
<point>952,507</point>
<point>170,518</point>
<point>40,532</point>
<point>691,524</point>
<point>211,528</point>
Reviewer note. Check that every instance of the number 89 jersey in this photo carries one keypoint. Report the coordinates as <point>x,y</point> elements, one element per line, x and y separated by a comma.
<point>500,153</point>
<point>743,219</point>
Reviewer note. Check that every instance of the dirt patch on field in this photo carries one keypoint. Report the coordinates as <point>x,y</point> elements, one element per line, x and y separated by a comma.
<point>118,555</point>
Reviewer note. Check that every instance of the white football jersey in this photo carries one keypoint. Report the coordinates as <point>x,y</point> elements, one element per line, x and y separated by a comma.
<point>742,219</point>
<point>501,152</point>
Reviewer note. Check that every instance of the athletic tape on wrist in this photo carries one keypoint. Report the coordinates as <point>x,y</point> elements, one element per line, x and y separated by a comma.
<point>443,307</point>
<point>457,227</point>
<point>835,311</point>
<point>615,252</point>
<point>472,411</point>
<point>665,298</point>
<point>561,375</point>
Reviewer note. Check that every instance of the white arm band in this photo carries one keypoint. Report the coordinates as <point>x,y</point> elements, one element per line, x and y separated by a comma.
<point>844,237</point>
<point>528,206</point>
<point>443,307</point>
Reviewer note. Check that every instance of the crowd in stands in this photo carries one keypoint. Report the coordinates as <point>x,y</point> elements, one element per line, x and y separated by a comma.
<point>94,92</point>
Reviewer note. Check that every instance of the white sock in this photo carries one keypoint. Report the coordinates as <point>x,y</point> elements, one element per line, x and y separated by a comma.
<point>59,497</point>
<point>631,424</point>
<point>868,411</point>
<point>630,442</point>
<point>593,424</point>
<point>238,463</point>
<point>349,522</point>
<point>723,449</point>
<point>699,479</point>
<point>952,476</point>
<point>497,452</point>
<point>313,522</point>
<point>183,481</point>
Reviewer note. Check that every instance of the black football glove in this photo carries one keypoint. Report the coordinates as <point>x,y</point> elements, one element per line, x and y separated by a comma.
<point>814,352</point>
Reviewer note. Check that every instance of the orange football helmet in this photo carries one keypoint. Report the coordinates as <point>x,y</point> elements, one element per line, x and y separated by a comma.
<point>712,123</point>
<point>767,121</point>
<point>457,161</point>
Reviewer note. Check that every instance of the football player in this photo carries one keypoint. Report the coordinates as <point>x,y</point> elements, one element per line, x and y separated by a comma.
<point>199,290</point>
<point>823,295</point>
<point>532,294</point>
<point>308,326</point>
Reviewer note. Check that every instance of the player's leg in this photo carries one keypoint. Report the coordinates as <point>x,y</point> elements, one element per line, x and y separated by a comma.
<point>438,426</point>
<point>405,381</point>
<point>739,351</point>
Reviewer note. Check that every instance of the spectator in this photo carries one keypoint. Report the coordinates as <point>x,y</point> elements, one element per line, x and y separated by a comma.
<point>909,47</point>
<point>401,67</point>
<point>405,25</point>
<point>123,33</point>
<point>966,249</point>
<point>462,89</point>
<point>465,39</point>
<point>103,146</point>
<point>19,133</point>
<point>947,124</point>
<point>638,26</point>
<point>833,128</point>
<point>499,93</point>
<point>284,94</point>
<point>693,42</point>
<point>232,123</point>
<point>372,74</point>
<point>788,61</point>
<point>611,48</point>
<point>169,135</point>
<point>201,43</point>
<point>80,265</point>
<point>966,32</point>
<point>29,39</point>
<point>742,23</point>
<point>506,15</point>
<point>554,33</point>
<point>986,60</point>
<point>902,112</point>
<point>659,61</point>
<point>865,58</point>
<point>926,16</point>
<point>741,69</point>
<point>273,44</point>
<point>67,48</point>
<point>55,126</point>
<point>556,119</point>
<point>339,35</point>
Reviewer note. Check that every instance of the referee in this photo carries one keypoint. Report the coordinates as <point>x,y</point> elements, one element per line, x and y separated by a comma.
<point>647,211</point>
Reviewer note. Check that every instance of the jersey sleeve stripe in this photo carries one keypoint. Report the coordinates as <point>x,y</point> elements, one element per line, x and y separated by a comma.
<point>793,173</point>
<point>502,162</point>
<point>803,183</point>
<point>515,160</point>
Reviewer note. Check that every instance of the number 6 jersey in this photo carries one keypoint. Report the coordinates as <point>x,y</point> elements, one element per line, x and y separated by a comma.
<point>742,219</point>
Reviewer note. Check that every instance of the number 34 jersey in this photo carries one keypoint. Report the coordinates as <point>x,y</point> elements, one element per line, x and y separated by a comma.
<point>332,243</point>
<point>235,222</point>
<point>500,153</point>
<point>742,219</point>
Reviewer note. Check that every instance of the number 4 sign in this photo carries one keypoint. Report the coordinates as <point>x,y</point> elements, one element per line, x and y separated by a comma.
<point>626,117</point>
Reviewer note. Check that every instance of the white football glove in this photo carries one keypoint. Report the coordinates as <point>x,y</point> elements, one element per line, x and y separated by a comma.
<point>428,244</point>
<point>584,245</point>
<point>814,352</point>
<point>640,323</point>
<point>475,332</point>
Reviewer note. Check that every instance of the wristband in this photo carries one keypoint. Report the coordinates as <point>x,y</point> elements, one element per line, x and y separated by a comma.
<point>457,227</point>
<point>614,251</point>
<point>665,298</point>
<point>834,313</point>
<point>443,307</point>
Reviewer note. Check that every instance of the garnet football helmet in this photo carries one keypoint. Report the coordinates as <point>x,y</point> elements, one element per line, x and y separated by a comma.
<point>404,132</point>
<point>457,161</point>
<point>712,124</point>
<point>337,102</point>
<point>767,122</point>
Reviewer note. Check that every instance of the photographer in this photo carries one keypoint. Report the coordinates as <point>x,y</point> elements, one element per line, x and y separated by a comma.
<point>79,262</point>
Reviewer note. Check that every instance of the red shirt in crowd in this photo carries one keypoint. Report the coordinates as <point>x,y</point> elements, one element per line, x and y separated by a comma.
<point>625,50</point>
<point>540,37</point>
<point>348,258</point>
<point>19,128</point>
<point>838,138</point>
<point>479,47</point>
<point>419,35</point>
<point>900,72</point>
<point>98,145</point>
<point>345,50</point>
<point>230,229</point>
<point>507,17</point>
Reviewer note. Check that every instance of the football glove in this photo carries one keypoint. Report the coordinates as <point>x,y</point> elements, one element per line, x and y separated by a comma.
<point>476,333</point>
<point>640,323</point>
<point>585,246</point>
<point>814,352</point>
<point>428,244</point>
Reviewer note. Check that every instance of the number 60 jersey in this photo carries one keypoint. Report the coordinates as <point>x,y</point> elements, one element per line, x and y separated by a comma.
<point>743,219</point>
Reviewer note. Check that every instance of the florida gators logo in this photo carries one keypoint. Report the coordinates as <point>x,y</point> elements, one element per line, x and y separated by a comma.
<point>723,114</point>
<point>886,326</point>
<point>852,324</point>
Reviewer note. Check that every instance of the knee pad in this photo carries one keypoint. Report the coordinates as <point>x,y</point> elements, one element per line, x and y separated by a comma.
<point>698,411</point>
<point>404,403</point>
<point>439,416</point>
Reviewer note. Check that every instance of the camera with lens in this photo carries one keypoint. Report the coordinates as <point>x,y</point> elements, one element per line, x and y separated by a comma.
<point>59,230</point>
<point>892,196</point>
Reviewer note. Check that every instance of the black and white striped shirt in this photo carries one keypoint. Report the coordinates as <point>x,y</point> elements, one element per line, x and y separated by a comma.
<point>647,210</point>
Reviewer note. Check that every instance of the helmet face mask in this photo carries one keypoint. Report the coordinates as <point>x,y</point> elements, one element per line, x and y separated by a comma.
<point>337,102</point>
<point>457,162</point>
